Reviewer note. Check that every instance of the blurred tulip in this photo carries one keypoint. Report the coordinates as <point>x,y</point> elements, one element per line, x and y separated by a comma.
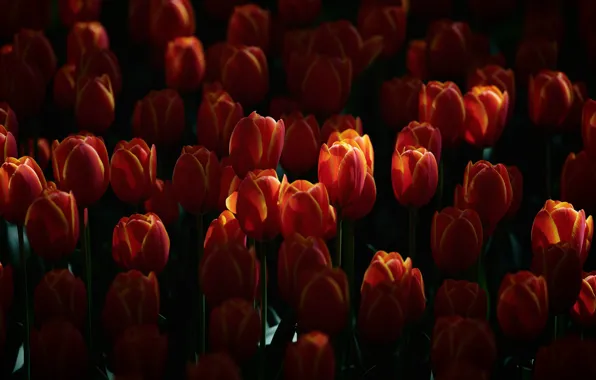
<point>141,350</point>
<point>238,265</point>
<point>8,119</point>
<point>340,123</point>
<point>216,119</point>
<point>185,64</point>
<point>517,187</point>
<point>456,239</point>
<point>449,48</point>
<point>131,300</point>
<point>32,14</point>
<point>573,120</point>
<point>584,309</point>
<point>6,290</point>
<point>22,83</point>
<point>385,21</point>
<point>379,303</point>
<point>60,295</point>
<point>324,301</point>
<point>533,55</point>
<point>244,74</point>
<point>64,89</point>
<point>158,118</point>
<point>352,137</point>
<point>462,340</point>
<point>495,75</point>
<point>442,105</point>
<point>215,366</point>
<point>94,104</point>
<point>310,357</point>
<point>302,143</point>
<point>579,169</point>
<point>463,298</point>
<point>392,268</point>
<point>298,12</point>
<point>196,179</point>
<point>250,25</point>
<point>96,63</point>
<point>228,184</point>
<point>256,143</point>
<point>414,176</point>
<point>34,47</point>
<point>85,36</point>
<point>487,190</point>
<point>222,233</point>
<point>559,264</point>
<point>419,135</point>
<point>81,165</point>
<point>589,127</point>
<point>416,59</point>
<point>235,328</point>
<point>522,306</point>
<point>141,242</point>
<point>73,11</point>
<point>58,351</point>
<point>297,254</point>
<point>163,202</point>
<point>8,144</point>
<point>399,101</point>
<point>550,98</point>
<point>21,182</point>
<point>486,114</point>
<point>52,224</point>
<point>558,222</point>
<point>169,19</point>
<point>569,357</point>
<point>133,169</point>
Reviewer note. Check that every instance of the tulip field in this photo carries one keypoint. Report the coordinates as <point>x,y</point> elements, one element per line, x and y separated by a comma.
<point>297,189</point>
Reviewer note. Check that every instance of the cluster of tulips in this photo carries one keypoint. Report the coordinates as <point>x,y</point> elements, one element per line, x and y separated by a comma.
<point>305,226</point>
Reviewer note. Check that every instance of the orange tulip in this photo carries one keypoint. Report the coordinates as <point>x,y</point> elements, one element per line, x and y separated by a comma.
<point>163,202</point>
<point>196,179</point>
<point>550,98</point>
<point>522,306</point>
<point>170,19</point>
<point>81,165</point>
<point>389,22</point>
<point>185,64</point>
<point>8,144</point>
<point>419,135</point>
<point>132,299</point>
<point>34,47</point>
<point>133,167</point>
<point>217,366</point>
<point>141,350</point>
<point>94,104</point>
<point>310,357</point>
<point>495,75</point>
<point>559,222</point>
<point>486,114</point>
<point>340,123</point>
<point>298,12</point>
<point>84,10</point>
<point>222,233</point>
<point>250,25</point>
<point>235,328</point>
<point>463,298</point>
<point>256,143</point>
<point>584,309</point>
<point>449,53</point>
<point>297,254</point>
<point>302,143</point>
<point>216,119</point>
<point>399,101</point>
<point>158,118</point>
<point>456,239</point>
<point>442,105</point>
<point>6,289</point>
<point>60,295</point>
<point>52,224</point>
<point>85,36</point>
<point>64,89</point>
<point>244,73</point>
<point>353,138</point>
<point>21,182</point>
<point>414,176</point>
<point>96,63</point>
<point>487,190</point>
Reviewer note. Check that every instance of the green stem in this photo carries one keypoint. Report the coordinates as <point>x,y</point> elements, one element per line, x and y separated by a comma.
<point>338,238</point>
<point>262,251</point>
<point>547,150</point>
<point>27,323</point>
<point>202,329</point>
<point>86,248</point>
<point>412,231</point>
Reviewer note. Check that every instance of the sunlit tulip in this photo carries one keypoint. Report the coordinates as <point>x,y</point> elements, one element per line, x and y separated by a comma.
<point>414,176</point>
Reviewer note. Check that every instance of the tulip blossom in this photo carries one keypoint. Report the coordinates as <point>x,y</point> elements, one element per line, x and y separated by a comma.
<point>60,295</point>
<point>302,143</point>
<point>310,357</point>
<point>64,90</point>
<point>250,25</point>
<point>85,36</point>
<point>340,123</point>
<point>399,101</point>
<point>244,73</point>
<point>352,137</point>
<point>21,182</point>
<point>486,114</point>
<point>419,135</point>
<point>388,22</point>
<point>133,168</point>
<point>8,144</point>
<point>449,52</point>
<point>95,104</point>
<point>99,62</point>
<point>141,350</point>
<point>463,298</point>
<point>163,202</point>
<point>158,118</point>
<point>550,98</point>
<point>414,176</point>
<point>184,64</point>
<point>442,105</point>
<point>170,19</point>
<point>216,119</point>
<point>223,232</point>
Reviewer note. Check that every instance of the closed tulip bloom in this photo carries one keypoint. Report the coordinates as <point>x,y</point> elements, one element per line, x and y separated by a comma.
<point>302,143</point>
<point>522,306</point>
<point>324,301</point>
<point>310,357</point>
<point>97,62</point>
<point>8,144</point>
<point>64,88</point>
<point>550,98</point>
<point>52,224</point>
<point>222,233</point>
<point>141,350</point>
<point>58,351</point>
<point>517,187</point>
<point>8,119</point>
<point>463,298</point>
<point>353,138</point>
<point>421,135</point>
<point>559,222</point>
<point>33,46</point>
<point>388,22</point>
<point>467,340</point>
<point>379,303</point>
<point>196,179</point>
<point>170,19</point>
<point>244,74</point>
<point>163,202</point>
<point>159,118</point>
<point>85,36</point>
<point>21,182</point>
<point>250,25</point>
<point>60,295</point>
<point>229,182</point>
<point>495,75</point>
<point>256,143</point>
<point>6,288</point>
<point>584,309</point>
<point>133,168</point>
<point>414,176</point>
<point>456,239</point>
<point>578,178</point>
<point>235,328</point>
<point>559,264</point>
<point>86,10</point>
<point>486,115</point>
<point>442,105</point>
<point>487,190</point>
<point>81,165</point>
<point>132,299</point>
<point>216,119</point>
<point>589,127</point>
<point>449,52</point>
<point>340,123</point>
<point>298,12</point>
<point>185,64</point>
<point>22,84</point>
<point>215,366</point>
<point>399,101</point>
<point>297,254</point>
<point>94,104</point>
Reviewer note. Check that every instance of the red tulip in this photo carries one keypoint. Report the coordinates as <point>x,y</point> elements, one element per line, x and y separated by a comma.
<point>414,176</point>
<point>399,101</point>
<point>353,138</point>
<point>185,64</point>
<point>141,350</point>
<point>96,63</point>
<point>302,143</point>
<point>85,10</point>
<point>578,178</point>
<point>550,98</point>
<point>235,328</point>
<point>486,114</point>
<point>419,135</point>
<point>250,25</point>
<point>216,366</point>
<point>21,182</point>
<point>463,298</point>
<point>388,22</point>
<point>533,55</point>
<point>244,74</point>
<point>8,144</point>
<point>170,19</point>
<point>85,36</point>
<point>94,104</point>
<point>340,123</point>
<point>216,119</point>
<point>64,88</point>
<point>60,295</point>
<point>449,51</point>
<point>159,118</point>
<point>222,233</point>
<point>163,202</point>
<point>310,357</point>
<point>442,105</point>
<point>495,75</point>
<point>9,119</point>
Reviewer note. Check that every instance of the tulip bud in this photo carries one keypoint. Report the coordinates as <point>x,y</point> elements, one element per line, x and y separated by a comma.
<point>6,290</point>
<point>170,19</point>
<point>415,176</point>
<point>216,366</point>
<point>159,118</point>
<point>486,115</point>
<point>353,138</point>
<point>223,232</point>
<point>185,64</point>
<point>522,307</point>
<point>216,119</point>
<point>133,169</point>
<point>441,104</point>
<point>495,75</point>
<point>21,182</point>
<point>97,62</point>
<point>94,104</point>
<point>60,295</point>
<point>389,22</point>
<point>71,12</point>
<point>399,101</point>
<point>419,135</point>
<point>141,350</point>
<point>64,89</point>
<point>132,299</point>
<point>83,37</point>
<point>81,165</point>
<point>250,25</point>
<point>162,202</point>
<point>550,98</point>
<point>8,144</point>
<point>456,239</point>
<point>310,357</point>
<point>302,143</point>
<point>340,123</point>
<point>244,74</point>
<point>463,298</point>
<point>449,53</point>
<point>196,179</point>
<point>235,327</point>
